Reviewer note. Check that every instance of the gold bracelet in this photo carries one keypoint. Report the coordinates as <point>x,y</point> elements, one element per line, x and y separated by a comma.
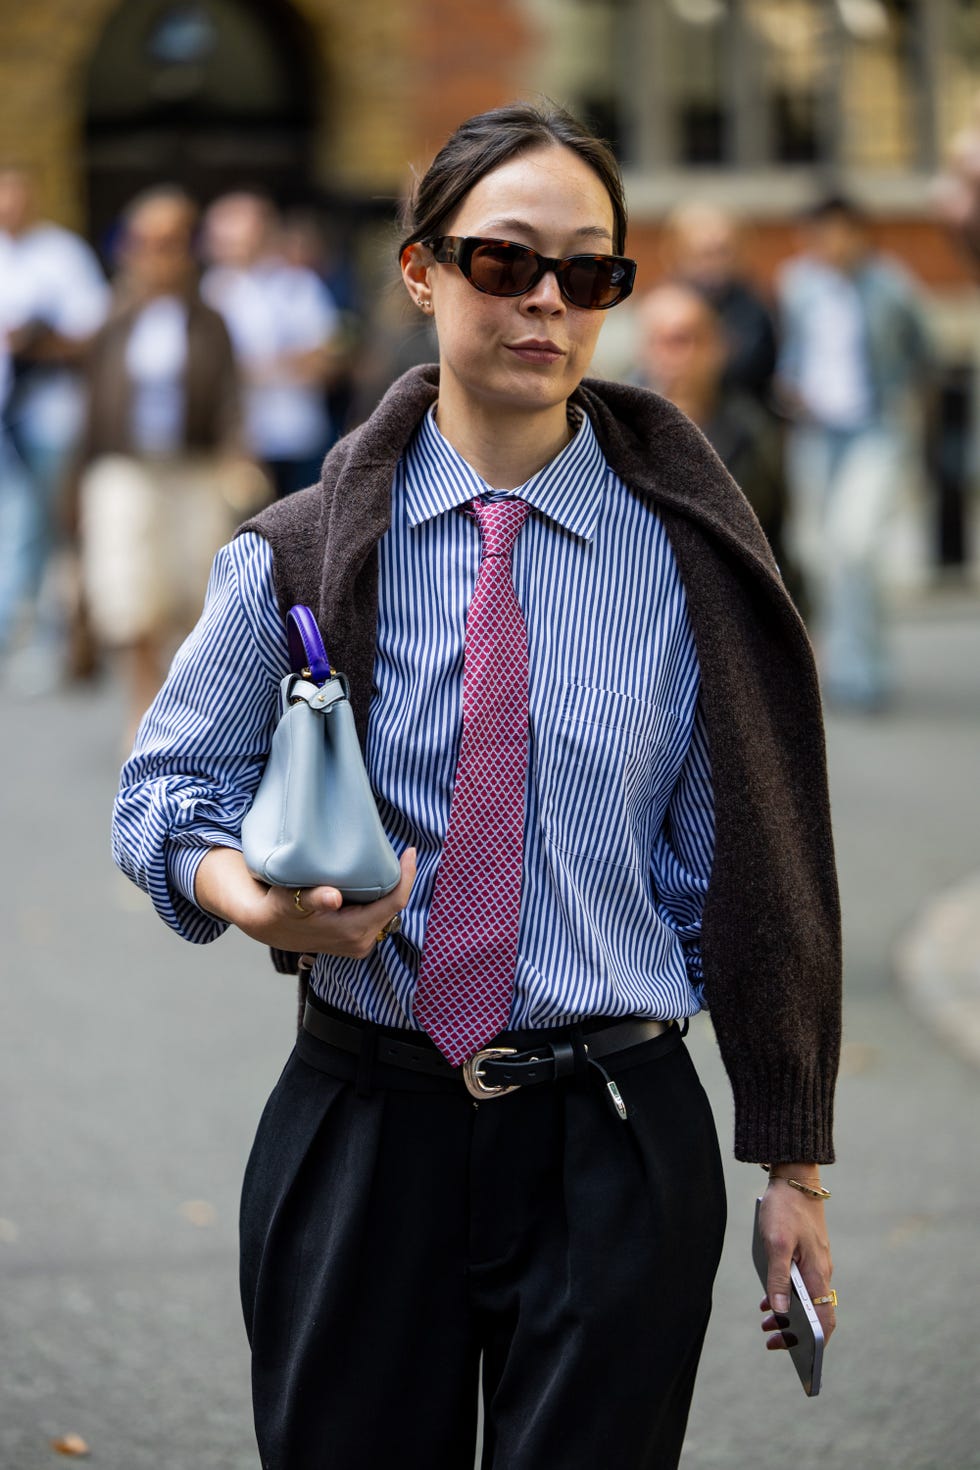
<point>810,1190</point>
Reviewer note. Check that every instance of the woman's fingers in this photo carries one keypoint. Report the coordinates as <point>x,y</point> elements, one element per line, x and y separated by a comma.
<point>372,923</point>
<point>307,902</point>
<point>402,893</point>
<point>776,1323</point>
<point>320,921</point>
<point>819,1286</point>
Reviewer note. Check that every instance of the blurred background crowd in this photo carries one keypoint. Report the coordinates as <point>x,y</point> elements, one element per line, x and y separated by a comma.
<point>198,290</point>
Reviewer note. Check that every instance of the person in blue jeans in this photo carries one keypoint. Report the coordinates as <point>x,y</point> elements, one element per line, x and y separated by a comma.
<point>53,299</point>
<point>855,357</point>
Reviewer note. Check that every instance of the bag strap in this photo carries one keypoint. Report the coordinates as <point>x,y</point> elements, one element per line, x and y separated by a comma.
<point>306,650</point>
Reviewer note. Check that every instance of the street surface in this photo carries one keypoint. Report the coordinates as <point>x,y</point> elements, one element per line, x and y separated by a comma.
<point>133,1068</point>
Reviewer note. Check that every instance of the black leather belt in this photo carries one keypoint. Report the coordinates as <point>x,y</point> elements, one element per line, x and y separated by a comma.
<point>494,1070</point>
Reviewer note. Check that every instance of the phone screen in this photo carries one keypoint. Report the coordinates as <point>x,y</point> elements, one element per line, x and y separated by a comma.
<point>804,1324</point>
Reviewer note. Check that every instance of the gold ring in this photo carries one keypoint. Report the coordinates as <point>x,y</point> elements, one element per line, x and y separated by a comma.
<point>830,1300</point>
<point>392,927</point>
<point>298,905</point>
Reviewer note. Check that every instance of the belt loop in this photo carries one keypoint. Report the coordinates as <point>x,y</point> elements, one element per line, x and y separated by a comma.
<point>566,1062</point>
<point>366,1057</point>
<point>581,1054</point>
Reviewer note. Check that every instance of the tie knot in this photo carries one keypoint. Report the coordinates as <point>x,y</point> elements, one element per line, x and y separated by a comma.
<point>500,524</point>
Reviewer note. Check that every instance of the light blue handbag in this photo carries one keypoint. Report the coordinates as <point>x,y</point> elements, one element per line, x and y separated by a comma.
<point>313,818</point>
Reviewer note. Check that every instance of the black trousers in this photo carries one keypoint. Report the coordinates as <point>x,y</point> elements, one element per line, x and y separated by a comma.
<point>393,1234</point>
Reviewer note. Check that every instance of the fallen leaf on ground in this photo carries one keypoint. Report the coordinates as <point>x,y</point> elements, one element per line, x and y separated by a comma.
<point>199,1212</point>
<point>909,1228</point>
<point>858,1057</point>
<point>70,1444</point>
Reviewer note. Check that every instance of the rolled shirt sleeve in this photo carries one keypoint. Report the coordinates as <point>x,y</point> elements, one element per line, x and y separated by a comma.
<point>202,745</point>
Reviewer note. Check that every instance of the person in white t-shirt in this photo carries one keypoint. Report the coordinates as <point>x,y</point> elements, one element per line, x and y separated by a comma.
<point>282,322</point>
<point>53,299</point>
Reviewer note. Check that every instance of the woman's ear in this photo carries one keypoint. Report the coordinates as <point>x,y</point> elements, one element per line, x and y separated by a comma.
<point>416,260</point>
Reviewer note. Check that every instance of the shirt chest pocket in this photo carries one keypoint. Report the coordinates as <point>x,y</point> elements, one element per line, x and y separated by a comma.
<point>599,769</point>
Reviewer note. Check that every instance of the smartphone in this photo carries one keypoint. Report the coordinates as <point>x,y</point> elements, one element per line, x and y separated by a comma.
<point>804,1324</point>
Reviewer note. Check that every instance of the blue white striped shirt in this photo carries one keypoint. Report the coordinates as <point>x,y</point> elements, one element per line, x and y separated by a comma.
<point>619,830</point>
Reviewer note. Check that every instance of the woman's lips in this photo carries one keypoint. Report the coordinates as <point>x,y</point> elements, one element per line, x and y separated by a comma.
<point>536,352</point>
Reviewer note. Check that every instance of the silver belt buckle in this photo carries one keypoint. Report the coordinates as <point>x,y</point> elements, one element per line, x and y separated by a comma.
<point>475,1085</point>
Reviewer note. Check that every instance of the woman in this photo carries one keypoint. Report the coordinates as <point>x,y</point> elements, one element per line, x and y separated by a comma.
<point>598,750</point>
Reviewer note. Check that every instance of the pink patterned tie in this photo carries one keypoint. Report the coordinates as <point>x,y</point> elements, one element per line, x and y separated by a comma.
<point>469,956</point>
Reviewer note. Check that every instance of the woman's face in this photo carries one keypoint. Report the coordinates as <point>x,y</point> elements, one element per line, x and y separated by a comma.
<point>521,353</point>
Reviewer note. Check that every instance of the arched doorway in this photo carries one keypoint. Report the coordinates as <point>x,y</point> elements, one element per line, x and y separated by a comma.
<point>210,94</point>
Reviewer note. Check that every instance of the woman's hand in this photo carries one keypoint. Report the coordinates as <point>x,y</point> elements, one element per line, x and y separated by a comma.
<point>794,1228</point>
<point>225,888</point>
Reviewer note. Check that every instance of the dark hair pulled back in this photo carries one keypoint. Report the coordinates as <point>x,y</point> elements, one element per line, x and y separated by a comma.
<point>482,143</point>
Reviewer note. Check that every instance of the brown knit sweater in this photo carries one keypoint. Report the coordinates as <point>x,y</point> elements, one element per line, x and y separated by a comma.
<point>771,927</point>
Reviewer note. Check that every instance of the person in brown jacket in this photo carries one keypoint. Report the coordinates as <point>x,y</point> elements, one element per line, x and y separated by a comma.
<point>160,461</point>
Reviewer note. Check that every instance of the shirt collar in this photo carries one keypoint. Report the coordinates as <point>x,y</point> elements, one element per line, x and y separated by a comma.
<point>568,490</point>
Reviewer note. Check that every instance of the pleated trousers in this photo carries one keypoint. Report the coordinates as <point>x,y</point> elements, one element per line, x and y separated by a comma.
<point>395,1237</point>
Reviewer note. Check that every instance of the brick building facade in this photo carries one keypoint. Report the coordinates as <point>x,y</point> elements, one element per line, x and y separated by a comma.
<point>340,100</point>
<point>753,103</point>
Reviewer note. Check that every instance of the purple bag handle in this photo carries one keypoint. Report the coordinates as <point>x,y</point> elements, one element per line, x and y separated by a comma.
<point>306,650</point>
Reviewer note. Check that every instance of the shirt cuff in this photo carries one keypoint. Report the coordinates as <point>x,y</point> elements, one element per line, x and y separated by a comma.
<point>181,861</point>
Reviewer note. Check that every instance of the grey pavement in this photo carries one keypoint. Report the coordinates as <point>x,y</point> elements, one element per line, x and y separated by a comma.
<point>938,964</point>
<point>133,1068</point>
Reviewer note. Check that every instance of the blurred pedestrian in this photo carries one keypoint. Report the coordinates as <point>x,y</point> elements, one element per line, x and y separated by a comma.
<point>957,189</point>
<point>163,477</point>
<point>590,716</point>
<point>954,438</point>
<point>681,352</point>
<point>703,246</point>
<point>283,324</point>
<point>305,242</point>
<point>53,298</point>
<point>854,359</point>
<point>396,339</point>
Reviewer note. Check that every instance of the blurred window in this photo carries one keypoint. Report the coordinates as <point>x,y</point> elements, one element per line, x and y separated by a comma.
<point>213,57</point>
<point>694,38</point>
<point>762,84</point>
<point>793,44</point>
<point>182,34</point>
<point>884,84</point>
<point>212,94</point>
<point>960,65</point>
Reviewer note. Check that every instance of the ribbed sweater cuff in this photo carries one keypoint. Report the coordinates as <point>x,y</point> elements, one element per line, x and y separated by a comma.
<point>787,1116</point>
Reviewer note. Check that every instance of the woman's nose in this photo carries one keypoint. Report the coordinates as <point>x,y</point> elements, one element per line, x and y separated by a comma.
<point>545,295</point>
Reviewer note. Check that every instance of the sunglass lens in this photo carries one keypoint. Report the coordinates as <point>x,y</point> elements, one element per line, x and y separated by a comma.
<point>592,282</point>
<point>589,281</point>
<point>502,269</point>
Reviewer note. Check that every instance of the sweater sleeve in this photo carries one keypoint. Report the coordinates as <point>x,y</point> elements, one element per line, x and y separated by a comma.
<point>202,745</point>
